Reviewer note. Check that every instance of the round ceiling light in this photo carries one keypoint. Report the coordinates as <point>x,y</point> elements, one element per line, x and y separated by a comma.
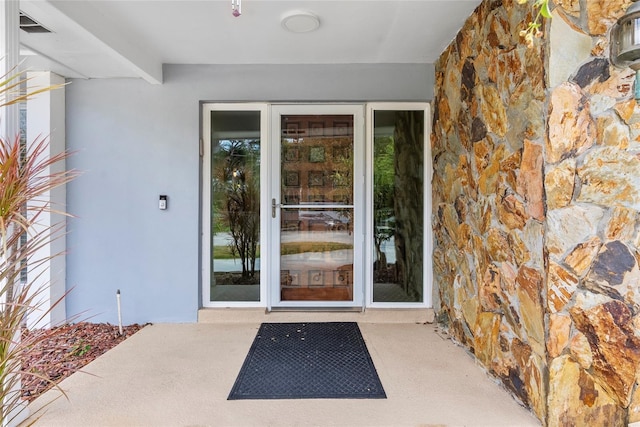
<point>300,22</point>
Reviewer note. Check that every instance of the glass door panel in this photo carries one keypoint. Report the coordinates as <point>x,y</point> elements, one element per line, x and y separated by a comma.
<point>316,226</point>
<point>398,206</point>
<point>235,206</point>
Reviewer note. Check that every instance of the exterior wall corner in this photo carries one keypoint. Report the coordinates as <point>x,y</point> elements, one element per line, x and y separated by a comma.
<point>536,210</point>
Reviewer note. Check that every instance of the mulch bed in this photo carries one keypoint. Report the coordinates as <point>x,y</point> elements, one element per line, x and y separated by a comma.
<point>63,350</point>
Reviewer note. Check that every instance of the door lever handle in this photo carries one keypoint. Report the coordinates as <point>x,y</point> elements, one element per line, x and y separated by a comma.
<point>274,205</point>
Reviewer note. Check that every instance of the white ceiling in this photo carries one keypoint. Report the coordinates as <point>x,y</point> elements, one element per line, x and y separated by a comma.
<point>120,38</point>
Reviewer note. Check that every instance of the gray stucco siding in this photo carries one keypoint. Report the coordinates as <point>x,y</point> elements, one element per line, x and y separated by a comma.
<point>135,141</point>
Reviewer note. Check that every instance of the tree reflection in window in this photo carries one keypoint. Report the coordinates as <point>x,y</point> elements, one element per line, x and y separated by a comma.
<point>236,200</point>
<point>398,206</point>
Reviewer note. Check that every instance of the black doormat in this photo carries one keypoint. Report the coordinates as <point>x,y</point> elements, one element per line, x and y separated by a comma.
<point>308,361</point>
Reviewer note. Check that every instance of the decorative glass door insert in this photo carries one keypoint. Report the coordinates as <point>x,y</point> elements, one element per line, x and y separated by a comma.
<point>317,208</point>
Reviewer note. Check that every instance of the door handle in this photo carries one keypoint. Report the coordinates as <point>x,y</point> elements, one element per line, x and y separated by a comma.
<point>274,205</point>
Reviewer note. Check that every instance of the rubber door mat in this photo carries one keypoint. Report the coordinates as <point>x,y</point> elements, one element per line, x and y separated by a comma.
<point>308,361</point>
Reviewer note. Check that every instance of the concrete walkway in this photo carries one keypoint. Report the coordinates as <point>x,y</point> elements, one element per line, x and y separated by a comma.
<point>181,375</point>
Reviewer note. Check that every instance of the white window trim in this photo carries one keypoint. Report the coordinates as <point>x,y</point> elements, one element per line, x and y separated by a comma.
<point>207,109</point>
<point>428,231</point>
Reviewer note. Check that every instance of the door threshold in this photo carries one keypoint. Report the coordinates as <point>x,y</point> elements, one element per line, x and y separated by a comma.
<point>317,309</point>
<point>317,314</point>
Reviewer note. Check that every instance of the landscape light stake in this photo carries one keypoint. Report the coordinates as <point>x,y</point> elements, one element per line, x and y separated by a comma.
<point>119,313</point>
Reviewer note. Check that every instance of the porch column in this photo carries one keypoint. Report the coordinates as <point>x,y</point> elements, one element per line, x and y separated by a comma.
<point>9,129</point>
<point>46,118</point>
<point>9,53</point>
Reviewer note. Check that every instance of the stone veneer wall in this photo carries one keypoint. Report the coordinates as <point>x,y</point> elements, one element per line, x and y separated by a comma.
<point>536,197</point>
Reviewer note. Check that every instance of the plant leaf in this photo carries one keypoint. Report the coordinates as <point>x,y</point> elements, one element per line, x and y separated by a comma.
<point>544,9</point>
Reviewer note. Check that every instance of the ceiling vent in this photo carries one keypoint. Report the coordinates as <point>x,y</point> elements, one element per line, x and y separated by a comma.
<point>30,26</point>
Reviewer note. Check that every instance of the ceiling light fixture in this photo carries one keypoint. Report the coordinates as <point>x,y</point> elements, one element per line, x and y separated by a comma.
<point>236,8</point>
<point>300,22</point>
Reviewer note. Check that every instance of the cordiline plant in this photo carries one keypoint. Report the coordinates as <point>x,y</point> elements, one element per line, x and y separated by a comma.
<point>10,93</point>
<point>25,177</point>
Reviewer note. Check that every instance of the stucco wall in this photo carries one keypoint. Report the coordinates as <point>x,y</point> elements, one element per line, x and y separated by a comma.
<point>536,198</point>
<point>135,141</point>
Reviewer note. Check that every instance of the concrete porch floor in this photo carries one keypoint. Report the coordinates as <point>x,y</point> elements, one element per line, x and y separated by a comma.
<point>181,375</point>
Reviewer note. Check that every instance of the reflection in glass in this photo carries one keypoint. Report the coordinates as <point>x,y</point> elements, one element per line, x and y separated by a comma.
<point>235,210</point>
<point>316,235</point>
<point>398,155</point>
<point>316,255</point>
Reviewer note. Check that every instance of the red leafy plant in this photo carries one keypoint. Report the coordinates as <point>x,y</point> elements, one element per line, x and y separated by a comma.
<point>27,175</point>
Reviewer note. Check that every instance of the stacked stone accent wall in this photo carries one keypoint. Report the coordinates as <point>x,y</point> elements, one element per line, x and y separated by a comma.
<point>536,197</point>
<point>592,185</point>
<point>488,143</point>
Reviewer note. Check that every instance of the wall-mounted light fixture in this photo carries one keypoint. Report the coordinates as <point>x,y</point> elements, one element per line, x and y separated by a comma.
<point>236,8</point>
<point>625,43</point>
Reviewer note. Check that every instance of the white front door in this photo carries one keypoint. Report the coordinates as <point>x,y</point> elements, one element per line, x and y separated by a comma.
<point>317,201</point>
<point>300,211</point>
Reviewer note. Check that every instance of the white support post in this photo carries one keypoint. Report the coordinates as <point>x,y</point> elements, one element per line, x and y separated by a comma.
<point>9,55</point>
<point>10,129</point>
<point>46,118</point>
